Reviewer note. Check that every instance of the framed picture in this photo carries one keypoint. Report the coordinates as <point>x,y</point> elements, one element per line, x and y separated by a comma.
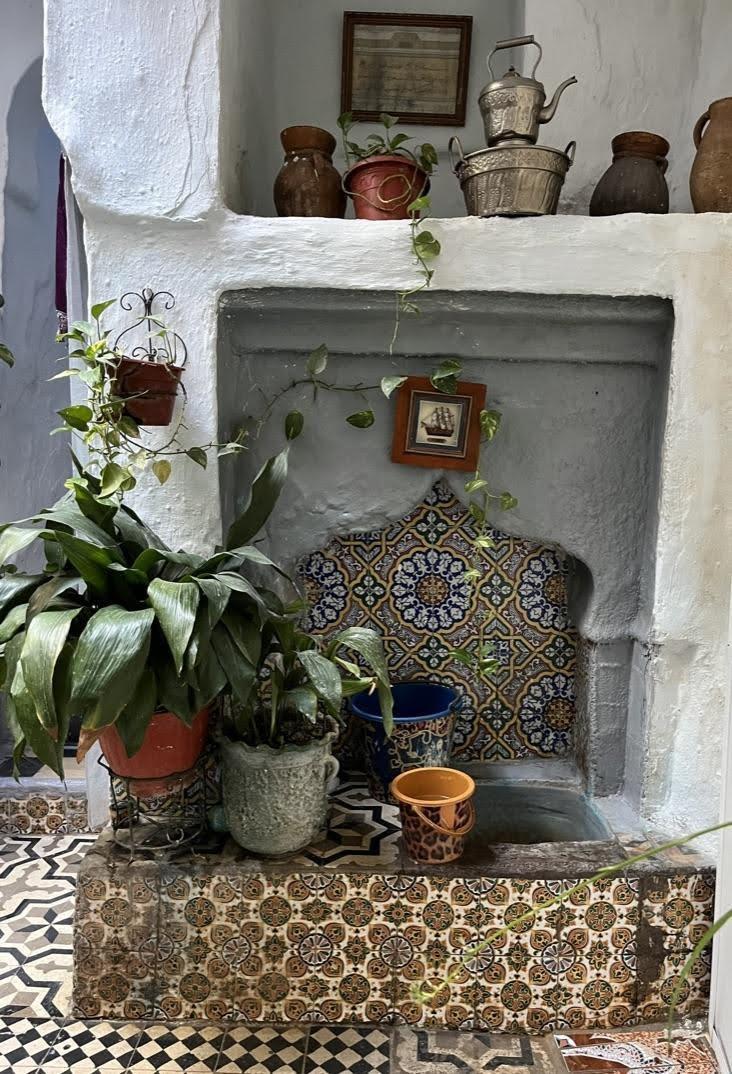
<point>437,430</point>
<point>412,66</point>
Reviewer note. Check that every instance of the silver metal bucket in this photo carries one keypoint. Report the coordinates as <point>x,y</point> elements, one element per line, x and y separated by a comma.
<point>511,180</point>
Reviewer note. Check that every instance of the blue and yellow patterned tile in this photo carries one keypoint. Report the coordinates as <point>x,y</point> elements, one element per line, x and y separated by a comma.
<point>408,582</point>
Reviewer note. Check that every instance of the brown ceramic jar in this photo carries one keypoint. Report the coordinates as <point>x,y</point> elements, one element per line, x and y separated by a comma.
<point>710,181</point>
<point>634,182</point>
<point>307,184</point>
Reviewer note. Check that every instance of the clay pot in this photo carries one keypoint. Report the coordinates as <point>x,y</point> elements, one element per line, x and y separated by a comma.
<point>710,181</point>
<point>437,812</point>
<point>149,389</point>
<point>634,182</point>
<point>383,188</point>
<point>169,747</point>
<point>307,184</point>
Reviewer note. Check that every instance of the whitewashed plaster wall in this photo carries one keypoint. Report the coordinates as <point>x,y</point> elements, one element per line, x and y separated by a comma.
<point>653,65</point>
<point>148,180</point>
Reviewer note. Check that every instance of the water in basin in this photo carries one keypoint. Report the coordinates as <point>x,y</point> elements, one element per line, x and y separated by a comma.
<point>522,813</point>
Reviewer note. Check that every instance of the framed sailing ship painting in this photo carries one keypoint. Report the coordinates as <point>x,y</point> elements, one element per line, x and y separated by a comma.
<point>437,430</point>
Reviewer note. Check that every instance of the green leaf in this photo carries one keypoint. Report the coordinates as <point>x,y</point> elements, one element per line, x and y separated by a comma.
<point>476,512</point>
<point>99,307</point>
<point>16,588</point>
<point>304,700</point>
<point>263,496</point>
<point>463,656</point>
<point>13,622</point>
<point>444,378</point>
<point>175,605</point>
<point>362,419</point>
<point>134,719</point>
<point>199,456</point>
<point>114,477</point>
<point>44,641</point>
<point>390,384</point>
<point>318,361</point>
<point>419,204</point>
<point>77,416</point>
<point>388,120</point>
<point>426,244</point>
<point>14,539</point>
<point>325,678</point>
<point>471,575</point>
<point>240,674</point>
<point>21,715</point>
<point>293,424</point>
<point>490,421</point>
<point>48,592</point>
<point>90,561</point>
<point>6,355</point>
<point>484,542</point>
<point>475,485</point>
<point>696,954</point>
<point>129,426</point>
<point>109,659</point>
<point>245,634</point>
<point>345,121</point>
<point>217,597</point>
<point>508,502</point>
<point>68,513</point>
<point>161,468</point>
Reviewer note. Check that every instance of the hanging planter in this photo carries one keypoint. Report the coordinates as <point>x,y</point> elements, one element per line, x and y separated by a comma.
<point>148,378</point>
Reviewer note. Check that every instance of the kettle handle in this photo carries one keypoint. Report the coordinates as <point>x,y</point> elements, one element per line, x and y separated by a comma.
<point>699,127</point>
<point>455,164</point>
<point>515,42</point>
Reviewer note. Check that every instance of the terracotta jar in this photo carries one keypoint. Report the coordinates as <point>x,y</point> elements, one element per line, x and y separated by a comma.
<point>634,182</point>
<point>711,173</point>
<point>307,184</point>
<point>383,187</point>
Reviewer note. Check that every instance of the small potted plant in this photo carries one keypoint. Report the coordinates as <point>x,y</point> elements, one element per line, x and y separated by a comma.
<point>385,177</point>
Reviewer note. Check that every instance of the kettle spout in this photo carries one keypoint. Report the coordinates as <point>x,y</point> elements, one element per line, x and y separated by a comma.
<point>550,108</point>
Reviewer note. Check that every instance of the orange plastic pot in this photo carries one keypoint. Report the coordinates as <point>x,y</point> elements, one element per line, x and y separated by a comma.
<point>437,812</point>
<point>169,747</point>
<point>383,188</point>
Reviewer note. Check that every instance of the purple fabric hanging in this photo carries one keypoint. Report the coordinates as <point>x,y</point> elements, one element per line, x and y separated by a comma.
<point>61,250</point>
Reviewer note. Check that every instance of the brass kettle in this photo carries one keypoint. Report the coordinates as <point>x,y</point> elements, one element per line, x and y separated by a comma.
<point>513,106</point>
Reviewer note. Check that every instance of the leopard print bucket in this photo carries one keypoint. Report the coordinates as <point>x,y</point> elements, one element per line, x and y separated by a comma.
<point>437,813</point>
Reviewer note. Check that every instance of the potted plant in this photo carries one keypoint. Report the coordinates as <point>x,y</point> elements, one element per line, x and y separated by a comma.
<point>385,177</point>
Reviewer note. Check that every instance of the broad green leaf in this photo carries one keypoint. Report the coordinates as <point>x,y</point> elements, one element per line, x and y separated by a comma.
<point>16,588</point>
<point>174,693</point>
<point>44,641</point>
<point>345,120</point>
<point>128,426</point>
<point>388,120</point>
<point>325,678</point>
<point>99,307</point>
<point>13,622</point>
<point>263,496</point>
<point>6,355</point>
<point>386,705</point>
<point>91,561</point>
<point>77,416</point>
<point>217,597</point>
<point>101,514</point>
<point>175,605</point>
<point>475,484</point>
<point>318,361</point>
<point>239,584</point>
<point>68,514</point>
<point>490,421</point>
<point>419,204</point>
<point>109,659</point>
<point>114,477</point>
<point>134,531</point>
<point>508,502</point>
<point>362,419</point>
<point>245,634</point>
<point>367,643</point>
<point>304,700</point>
<point>241,674</point>
<point>199,456</point>
<point>390,384</point>
<point>162,470</point>
<point>210,677</point>
<point>444,378</point>
<point>21,715</point>
<point>293,424</point>
<point>14,539</point>
<point>134,719</point>
<point>46,593</point>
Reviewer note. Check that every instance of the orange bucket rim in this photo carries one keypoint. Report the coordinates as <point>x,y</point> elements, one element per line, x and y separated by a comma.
<point>407,799</point>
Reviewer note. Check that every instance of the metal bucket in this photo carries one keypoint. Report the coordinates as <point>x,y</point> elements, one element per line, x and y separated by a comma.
<point>511,180</point>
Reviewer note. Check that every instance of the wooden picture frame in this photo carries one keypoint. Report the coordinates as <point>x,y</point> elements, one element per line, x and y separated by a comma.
<point>388,67</point>
<point>453,440</point>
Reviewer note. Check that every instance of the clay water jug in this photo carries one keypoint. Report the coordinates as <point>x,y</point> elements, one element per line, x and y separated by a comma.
<point>634,182</point>
<point>710,181</point>
<point>307,184</point>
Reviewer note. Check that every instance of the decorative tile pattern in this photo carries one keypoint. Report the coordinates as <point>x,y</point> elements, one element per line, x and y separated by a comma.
<point>25,1042</point>
<point>43,813</point>
<point>347,1051</point>
<point>91,1046</point>
<point>689,1052</point>
<point>424,1051</point>
<point>263,1050</point>
<point>360,831</point>
<point>407,582</point>
<point>172,1049</point>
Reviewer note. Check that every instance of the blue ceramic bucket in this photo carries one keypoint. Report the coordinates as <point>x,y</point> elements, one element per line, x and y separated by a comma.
<point>424,724</point>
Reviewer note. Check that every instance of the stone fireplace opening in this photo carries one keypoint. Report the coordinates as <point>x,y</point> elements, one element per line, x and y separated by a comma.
<point>566,594</point>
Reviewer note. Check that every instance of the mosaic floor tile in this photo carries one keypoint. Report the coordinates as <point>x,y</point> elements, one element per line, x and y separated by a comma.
<point>263,1050</point>
<point>633,1050</point>
<point>407,582</point>
<point>360,830</point>
<point>172,1049</point>
<point>422,1051</point>
<point>88,1046</point>
<point>346,1050</point>
<point>25,1042</point>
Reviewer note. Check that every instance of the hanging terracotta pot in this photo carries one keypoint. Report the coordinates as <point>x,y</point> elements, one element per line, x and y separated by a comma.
<point>307,184</point>
<point>169,747</point>
<point>710,181</point>
<point>383,188</point>
<point>634,182</point>
<point>149,389</point>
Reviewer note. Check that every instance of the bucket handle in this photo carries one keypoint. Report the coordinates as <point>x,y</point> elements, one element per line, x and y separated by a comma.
<point>570,150</point>
<point>455,832</point>
<point>455,141</point>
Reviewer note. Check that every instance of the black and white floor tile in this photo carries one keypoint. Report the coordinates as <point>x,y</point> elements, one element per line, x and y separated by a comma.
<point>347,1050</point>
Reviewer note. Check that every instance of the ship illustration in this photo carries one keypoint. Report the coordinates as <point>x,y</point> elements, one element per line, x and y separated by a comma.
<point>440,423</point>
